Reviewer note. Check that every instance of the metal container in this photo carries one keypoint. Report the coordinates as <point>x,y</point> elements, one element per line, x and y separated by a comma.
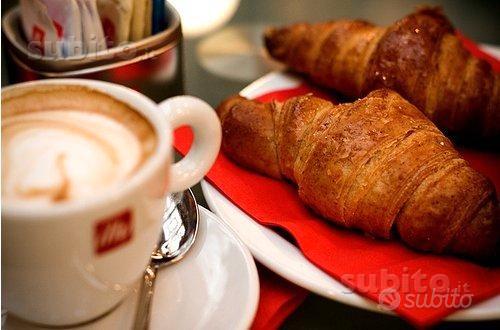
<point>152,66</point>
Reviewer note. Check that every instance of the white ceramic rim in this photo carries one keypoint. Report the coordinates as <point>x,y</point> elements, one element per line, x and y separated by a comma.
<point>254,281</point>
<point>137,101</point>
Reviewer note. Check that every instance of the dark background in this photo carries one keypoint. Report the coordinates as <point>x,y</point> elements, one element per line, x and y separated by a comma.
<point>479,20</point>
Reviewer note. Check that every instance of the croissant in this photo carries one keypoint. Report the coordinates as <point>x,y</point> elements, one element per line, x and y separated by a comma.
<point>378,165</point>
<point>419,57</point>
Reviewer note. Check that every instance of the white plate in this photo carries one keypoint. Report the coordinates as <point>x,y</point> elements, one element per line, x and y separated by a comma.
<point>286,259</point>
<point>215,286</point>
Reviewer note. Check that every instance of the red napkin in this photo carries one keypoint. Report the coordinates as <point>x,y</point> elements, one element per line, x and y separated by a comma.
<point>421,288</point>
<point>278,299</point>
<point>477,52</point>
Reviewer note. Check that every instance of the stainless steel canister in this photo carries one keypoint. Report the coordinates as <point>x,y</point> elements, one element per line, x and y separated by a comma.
<point>152,66</point>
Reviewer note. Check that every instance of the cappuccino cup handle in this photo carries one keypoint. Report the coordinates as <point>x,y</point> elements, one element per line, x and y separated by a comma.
<point>201,117</point>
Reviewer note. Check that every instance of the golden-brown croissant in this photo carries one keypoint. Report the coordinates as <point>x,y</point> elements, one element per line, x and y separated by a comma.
<point>419,57</point>
<point>378,165</point>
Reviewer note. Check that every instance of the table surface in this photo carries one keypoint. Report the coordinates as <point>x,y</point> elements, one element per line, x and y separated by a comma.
<point>239,40</point>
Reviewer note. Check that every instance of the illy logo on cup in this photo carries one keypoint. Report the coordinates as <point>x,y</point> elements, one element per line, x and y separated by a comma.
<point>112,232</point>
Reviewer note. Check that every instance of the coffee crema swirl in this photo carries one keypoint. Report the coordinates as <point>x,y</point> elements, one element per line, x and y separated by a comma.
<point>64,143</point>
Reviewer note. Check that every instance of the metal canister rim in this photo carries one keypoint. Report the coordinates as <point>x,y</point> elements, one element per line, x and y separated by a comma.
<point>114,57</point>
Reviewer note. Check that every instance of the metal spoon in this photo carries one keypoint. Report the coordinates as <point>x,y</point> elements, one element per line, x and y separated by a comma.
<point>180,225</point>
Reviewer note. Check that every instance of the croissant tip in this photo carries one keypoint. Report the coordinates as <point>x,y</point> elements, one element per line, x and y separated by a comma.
<point>227,104</point>
<point>434,11</point>
<point>269,31</point>
<point>382,93</point>
<point>429,8</point>
<point>273,42</point>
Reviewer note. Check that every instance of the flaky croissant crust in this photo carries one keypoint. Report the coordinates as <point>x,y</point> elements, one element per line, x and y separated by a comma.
<point>418,56</point>
<point>378,165</point>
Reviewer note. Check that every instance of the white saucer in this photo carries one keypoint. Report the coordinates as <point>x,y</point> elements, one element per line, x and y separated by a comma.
<point>284,258</point>
<point>215,286</point>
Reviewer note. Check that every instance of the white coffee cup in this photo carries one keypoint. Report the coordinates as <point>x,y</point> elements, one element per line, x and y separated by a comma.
<point>52,273</point>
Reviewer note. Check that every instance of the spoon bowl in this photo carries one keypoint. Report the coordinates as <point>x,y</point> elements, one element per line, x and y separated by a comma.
<point>179,229</point>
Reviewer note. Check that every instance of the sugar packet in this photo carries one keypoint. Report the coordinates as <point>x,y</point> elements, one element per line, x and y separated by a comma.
<point>39,30</point>
<point>100,41</point>
<point>66,17</point>
<point>89,38</point>
<point>116,18</point>
<point>141,20</point>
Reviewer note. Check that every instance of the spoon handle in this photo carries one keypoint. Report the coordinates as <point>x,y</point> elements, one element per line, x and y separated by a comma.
<point>143,310</point>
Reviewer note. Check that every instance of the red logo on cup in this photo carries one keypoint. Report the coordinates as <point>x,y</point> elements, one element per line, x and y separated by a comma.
<point>112,232</point>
